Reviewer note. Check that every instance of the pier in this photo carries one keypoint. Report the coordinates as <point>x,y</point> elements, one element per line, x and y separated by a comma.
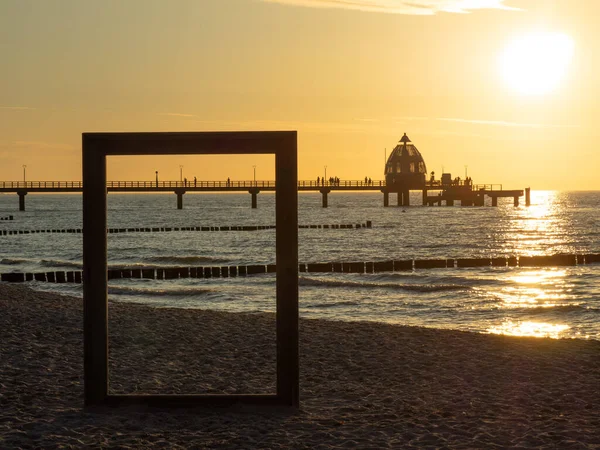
<point>472,195</point>
<point>404,171</point>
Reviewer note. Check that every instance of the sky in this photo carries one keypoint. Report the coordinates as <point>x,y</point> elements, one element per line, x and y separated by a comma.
<point>461,77</point>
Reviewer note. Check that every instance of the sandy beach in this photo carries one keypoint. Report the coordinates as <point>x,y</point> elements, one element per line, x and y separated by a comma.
<point>363,385</point>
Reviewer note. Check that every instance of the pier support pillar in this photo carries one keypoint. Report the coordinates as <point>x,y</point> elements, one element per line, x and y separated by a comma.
<point>494,201</point>
<point>400,201</point>
<point>254,192</point>
<point>179,193</point>
<point>450,202</point>
<point>516,200</point>
<point>386,198</point>
<point>424,197</point>
<point>22,195</point>
<point>324,192</point>
<point>527,196</point>
<point>406,198</point>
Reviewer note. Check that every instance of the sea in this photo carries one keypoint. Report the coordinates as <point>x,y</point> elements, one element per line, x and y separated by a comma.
<point>557,302</point>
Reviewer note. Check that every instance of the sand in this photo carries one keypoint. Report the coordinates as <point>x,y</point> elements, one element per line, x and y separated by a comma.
<point>363,385</point>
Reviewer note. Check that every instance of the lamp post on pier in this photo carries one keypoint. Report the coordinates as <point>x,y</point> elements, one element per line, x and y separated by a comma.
<point>180,173</point>
<point>24,167</point>
<point>325,177</point>
<point>254,167</point>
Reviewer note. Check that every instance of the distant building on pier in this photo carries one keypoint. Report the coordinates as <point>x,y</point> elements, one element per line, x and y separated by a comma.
<point>405,168</point>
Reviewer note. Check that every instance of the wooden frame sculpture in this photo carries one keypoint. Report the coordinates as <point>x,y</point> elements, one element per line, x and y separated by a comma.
<point>96,147</point>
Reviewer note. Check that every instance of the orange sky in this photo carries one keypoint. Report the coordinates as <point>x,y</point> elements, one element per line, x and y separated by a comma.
<point>351,81</point>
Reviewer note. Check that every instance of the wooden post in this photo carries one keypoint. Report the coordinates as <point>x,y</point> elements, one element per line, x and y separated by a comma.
<point>324,192</point>
<point>386,198</point>
<point>286,254</point>
<point>95,306</point>
<point>494,201</point>
<point>254,192</point>
<point>22,195</point>
<point>406,198</point>
<point>424,198</point>
<point>179,193</point>
<point>527,196</point>
<point>516,200</point>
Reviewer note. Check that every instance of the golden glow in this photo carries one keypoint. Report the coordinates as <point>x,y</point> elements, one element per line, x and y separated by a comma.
<point>530,329</point>
<point>535,63</point>
<point>540,229</point>
<point>535,289</point>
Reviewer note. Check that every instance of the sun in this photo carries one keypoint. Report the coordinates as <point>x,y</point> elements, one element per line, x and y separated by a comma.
<point>535,63</point>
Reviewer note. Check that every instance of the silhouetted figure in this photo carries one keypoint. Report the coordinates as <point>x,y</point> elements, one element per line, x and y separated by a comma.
<point>194,181</point>
<point>366,180</point>
<point>228,181</point>
<point>370,182</point>
<point>185,181</point>
<point>318,181</point>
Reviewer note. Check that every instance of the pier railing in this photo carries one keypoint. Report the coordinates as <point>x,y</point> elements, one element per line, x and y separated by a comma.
<point>224,184</point>
<point>183,184</point>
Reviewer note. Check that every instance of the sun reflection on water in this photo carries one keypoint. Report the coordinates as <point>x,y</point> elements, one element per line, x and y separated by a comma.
<point>539,229</point>
<point>528,290</point>
<point>535,289</point>
<point>530,329</point>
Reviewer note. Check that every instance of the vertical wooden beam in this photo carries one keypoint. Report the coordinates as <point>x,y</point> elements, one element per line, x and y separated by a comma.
<point>286,249</point>
<point>179,193</point>
<point>324,192</point>
<point>22,195</point>
<point>254,192</point>
<point>95,305</point>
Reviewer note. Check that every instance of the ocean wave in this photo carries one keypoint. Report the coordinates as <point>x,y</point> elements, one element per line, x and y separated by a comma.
<point>14,261</point>
<point>429,278</point>
<point>60,263</point>
<point>563,308</point>
<point>176,292</point>
<point>332,304</point>
<point>403,287</point>
<point>43,262</point>
<point>175,259</point>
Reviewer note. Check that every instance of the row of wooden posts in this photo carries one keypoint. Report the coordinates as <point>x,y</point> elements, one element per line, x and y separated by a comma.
<point>169,273</point>
<point>7,218</point>
<point>368,224</point>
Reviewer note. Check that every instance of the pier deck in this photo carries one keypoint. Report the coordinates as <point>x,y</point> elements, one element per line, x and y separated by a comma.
<point>471,195</point>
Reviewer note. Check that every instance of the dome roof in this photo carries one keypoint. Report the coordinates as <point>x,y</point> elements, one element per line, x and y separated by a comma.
<point>405,165</point>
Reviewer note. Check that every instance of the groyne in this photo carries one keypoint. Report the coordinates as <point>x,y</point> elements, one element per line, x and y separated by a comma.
<point>359,267</point>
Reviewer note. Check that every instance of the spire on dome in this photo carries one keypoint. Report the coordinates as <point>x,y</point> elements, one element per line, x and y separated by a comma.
<point>405,139</point>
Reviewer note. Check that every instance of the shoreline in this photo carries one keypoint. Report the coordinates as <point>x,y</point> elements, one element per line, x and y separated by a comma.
<point>363,384</point>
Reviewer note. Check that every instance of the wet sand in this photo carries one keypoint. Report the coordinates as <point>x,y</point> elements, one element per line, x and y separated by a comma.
<point>363,385</point>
